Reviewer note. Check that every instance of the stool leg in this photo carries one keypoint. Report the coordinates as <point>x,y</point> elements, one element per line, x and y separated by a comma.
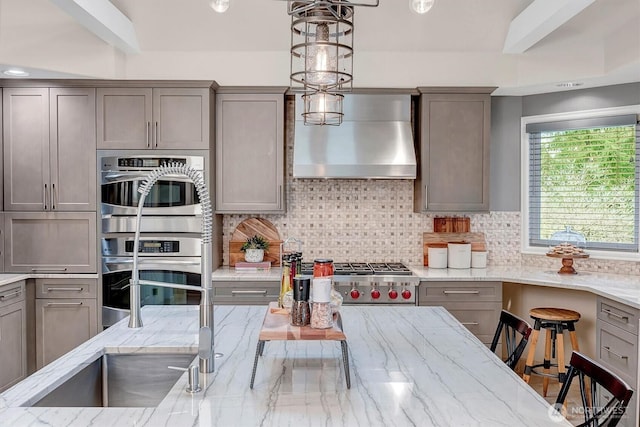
<point>562,375</point>
<point>259,348</point>
<point>532,351</point>
<point>345,360</point>
<point>574,345</point>
<point>547,362</point>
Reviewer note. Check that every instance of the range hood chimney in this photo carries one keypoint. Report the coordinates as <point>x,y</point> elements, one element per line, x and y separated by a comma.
<point>375,141</point>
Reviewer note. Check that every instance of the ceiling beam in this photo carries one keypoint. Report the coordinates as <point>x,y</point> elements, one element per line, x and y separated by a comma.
<point>539,20</point>
<point>103,19</point>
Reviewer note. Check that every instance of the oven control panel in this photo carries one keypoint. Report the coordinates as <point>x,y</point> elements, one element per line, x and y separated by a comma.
<point>154,246</point>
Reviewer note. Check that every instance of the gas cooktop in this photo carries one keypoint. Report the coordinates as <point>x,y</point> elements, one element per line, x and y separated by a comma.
<point>363,268</point>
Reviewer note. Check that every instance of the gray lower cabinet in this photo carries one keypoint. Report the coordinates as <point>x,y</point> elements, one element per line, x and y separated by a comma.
<point>245,292</point>
<point>476,305</point>
<point>153,118</point>
<point>13,335</point>
<point>49,142</point>
<point>48,242</point>
<point>453,173</point>
<point>250,153</point>
<point>617,349</point>
<point>66,316</point>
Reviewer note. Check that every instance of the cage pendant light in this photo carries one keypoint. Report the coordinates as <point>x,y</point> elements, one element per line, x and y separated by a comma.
<point>321,58</point>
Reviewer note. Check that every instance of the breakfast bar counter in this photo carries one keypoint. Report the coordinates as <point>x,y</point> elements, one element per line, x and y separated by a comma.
<point>409,366</point>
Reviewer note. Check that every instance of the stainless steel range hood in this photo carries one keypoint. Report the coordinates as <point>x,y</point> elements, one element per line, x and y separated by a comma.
<point>375,141</point>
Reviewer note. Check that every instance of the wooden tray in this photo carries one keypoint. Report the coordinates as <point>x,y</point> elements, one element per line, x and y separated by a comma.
<point>477,241</point>
<point>248,228</point>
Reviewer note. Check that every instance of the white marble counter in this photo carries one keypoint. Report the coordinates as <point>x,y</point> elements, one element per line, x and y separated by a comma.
<point>409,366</point>
<point>621,288</point>
<point>8,278</point>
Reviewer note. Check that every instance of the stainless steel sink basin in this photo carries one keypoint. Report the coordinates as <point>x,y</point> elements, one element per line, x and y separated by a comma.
<point>120,380</point>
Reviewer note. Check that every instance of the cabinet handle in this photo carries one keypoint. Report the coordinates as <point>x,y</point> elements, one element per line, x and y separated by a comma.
<point>156,136</point>
<point>426,196</point>
<point>616,315</point>
<point>53,197</point>
<point>280,196</point>
<point>470,323</point>
<point>263,292</point>
<point>45,197</point>
<point>64,303</point>
<point>49,269</point>
<point>148,135</point>
<point>10,295</point>
<point>619,356</point>
<point>54,289</point>
<point>446,292</point>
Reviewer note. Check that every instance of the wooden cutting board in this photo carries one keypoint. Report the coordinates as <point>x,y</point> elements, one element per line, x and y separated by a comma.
<point>477,241</point>
<point>248,228</point>
<point>452,225</point>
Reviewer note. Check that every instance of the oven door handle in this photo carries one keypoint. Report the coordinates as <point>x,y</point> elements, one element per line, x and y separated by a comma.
<point>113,265</point>
<point>139,176</point>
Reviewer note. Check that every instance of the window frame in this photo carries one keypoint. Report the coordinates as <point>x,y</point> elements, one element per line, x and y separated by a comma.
<point>525,247</point>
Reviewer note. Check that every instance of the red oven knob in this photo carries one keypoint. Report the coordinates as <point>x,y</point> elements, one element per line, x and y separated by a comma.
<point>355,294</point>
<point>393,294</point>
<point>406,294</point>
<point>375,294</point>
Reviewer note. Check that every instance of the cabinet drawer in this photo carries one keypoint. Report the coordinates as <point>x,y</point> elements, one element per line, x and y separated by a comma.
<point>480,319</point>
<point>459,292</point>
<point>618,314</point>
<point>12,293</point>
<point>618,349</point>
<point>259,293</point>
<point>66,288</point>
<point>629,417</point>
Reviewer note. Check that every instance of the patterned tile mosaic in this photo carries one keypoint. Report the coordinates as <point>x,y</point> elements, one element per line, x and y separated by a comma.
<point>373,221</point>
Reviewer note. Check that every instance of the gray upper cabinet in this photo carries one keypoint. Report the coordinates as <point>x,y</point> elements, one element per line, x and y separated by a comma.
<point>250,153</point>
<point>454,171</point>
<point>50,242</point>
<point>159,118</point>
<point>49,149</point>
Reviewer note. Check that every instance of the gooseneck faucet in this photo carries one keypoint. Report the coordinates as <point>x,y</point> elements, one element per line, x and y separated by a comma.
<point>205,336</point>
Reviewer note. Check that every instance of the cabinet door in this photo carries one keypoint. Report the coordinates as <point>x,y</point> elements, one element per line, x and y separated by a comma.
<point>13,335</point>
<point>124,117</point>
<point>72,149</point>
<point>50,242</point>
<point>62,325</point>
<point>455,132</point>
<point>181,118</point>
<point>250,153</point>
<point>26,149</point>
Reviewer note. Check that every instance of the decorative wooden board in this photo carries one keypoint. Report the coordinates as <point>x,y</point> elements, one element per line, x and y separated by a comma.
<point>277,326</point>
<point>477,241</point>
<point>248,228</point>
<point>452,225</point>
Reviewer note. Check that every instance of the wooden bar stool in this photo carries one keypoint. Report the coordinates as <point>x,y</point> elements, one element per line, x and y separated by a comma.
<point>555,321</point>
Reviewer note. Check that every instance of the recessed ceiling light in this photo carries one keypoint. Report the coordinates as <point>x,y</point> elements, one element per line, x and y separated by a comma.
<point>569,84</point>
<point>15,72</point>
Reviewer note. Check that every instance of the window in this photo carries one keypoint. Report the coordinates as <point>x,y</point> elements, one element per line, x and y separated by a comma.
<point>583,173</point>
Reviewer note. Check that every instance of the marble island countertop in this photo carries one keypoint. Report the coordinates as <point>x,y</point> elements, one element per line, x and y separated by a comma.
<point>409,366</point>
<point>621,288</point>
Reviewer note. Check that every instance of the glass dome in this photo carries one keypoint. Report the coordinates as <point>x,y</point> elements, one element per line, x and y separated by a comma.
<point>569,236</point>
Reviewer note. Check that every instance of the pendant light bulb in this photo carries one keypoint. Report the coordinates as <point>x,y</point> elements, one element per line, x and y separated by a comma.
<point>219,6</point>
<point>421,6</point>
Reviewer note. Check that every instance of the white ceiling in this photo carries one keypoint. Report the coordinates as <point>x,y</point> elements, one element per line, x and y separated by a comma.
<point>457,43</point>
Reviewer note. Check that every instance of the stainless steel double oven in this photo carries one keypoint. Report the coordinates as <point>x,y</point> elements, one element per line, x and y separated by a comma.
<point>170,241</point>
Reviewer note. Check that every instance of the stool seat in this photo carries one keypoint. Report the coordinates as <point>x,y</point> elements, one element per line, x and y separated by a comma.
<point>554,314</point>
<point>555,321</point>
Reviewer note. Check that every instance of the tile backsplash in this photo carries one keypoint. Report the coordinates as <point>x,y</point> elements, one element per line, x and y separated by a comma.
<point>373,221</point>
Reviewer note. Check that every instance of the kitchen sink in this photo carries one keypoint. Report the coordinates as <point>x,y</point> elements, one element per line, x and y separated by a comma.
<point>120,380</point>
